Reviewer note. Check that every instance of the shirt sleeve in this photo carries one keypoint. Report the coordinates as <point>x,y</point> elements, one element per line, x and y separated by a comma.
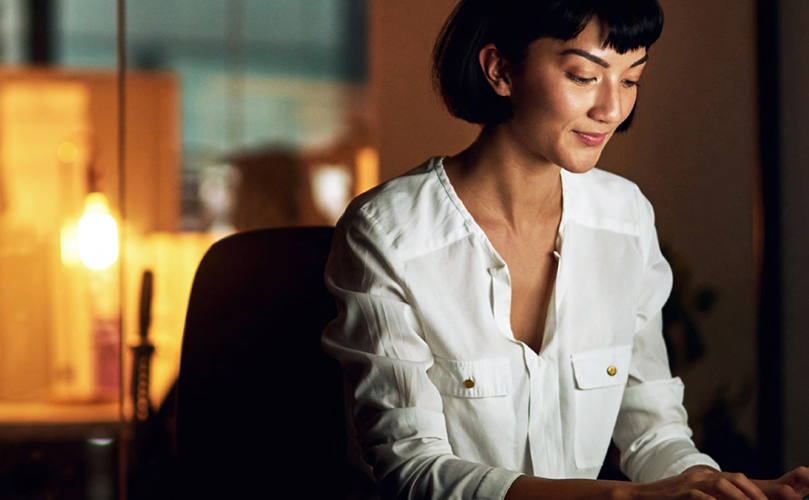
<point>395,409</point>
<point>652,429</point>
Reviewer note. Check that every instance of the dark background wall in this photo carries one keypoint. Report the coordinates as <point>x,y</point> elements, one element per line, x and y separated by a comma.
<point>794,170</point>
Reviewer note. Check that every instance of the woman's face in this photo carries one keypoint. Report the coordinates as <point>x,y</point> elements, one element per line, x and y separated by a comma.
<point>569,97</point>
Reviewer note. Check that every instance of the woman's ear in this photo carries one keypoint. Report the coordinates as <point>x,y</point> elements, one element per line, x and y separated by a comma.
<point>495,69</point>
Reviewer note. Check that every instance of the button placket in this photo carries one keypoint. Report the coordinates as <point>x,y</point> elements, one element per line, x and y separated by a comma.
<point>501,299</point>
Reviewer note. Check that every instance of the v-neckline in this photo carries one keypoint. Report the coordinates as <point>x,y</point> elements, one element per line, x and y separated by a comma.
<point>501,266</point>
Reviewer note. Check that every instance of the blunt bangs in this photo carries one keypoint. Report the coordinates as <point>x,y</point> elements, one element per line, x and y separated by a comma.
<point>633,24</point>
<point>511,25</point>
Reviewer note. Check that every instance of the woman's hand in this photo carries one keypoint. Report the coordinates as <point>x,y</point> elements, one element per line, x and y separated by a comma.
<point>792,485</point>
<point>697,483</point>
<point>702,482</point>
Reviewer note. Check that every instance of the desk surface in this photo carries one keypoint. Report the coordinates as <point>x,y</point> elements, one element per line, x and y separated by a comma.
<point>58,413</point>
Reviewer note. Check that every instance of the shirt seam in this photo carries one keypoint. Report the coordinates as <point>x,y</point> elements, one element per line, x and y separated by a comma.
<point>469,222</point>
<point>365,210</point>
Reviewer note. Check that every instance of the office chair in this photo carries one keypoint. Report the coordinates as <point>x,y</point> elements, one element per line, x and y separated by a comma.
<point>260,409</point>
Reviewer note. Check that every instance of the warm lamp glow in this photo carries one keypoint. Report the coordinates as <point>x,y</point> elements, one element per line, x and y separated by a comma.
<point>98,234</point>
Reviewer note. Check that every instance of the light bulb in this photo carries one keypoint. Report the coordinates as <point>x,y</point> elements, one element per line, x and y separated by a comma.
<point>98,234</point>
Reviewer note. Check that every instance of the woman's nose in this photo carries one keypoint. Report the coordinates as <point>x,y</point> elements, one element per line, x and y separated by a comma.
<point>607,107</point>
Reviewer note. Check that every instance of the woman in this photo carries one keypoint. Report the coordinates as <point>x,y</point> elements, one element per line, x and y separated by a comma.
<point>500,309</point>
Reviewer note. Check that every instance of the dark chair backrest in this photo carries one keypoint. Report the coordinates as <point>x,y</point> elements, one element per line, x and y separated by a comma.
<point>260,405</point>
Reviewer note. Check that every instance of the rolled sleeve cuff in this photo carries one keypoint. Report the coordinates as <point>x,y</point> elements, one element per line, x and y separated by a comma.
<point>495,484</point>
<point>689,461</point>
<point>669,457</point>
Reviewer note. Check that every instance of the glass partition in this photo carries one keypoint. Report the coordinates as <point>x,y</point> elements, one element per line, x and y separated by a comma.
<point>238,115</point>
<point>59,307</point>
<point>60,302</point>
<point>263,123</point>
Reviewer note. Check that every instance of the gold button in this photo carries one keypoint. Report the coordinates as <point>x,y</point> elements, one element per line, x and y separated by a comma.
<point>611,371</point>
<point>469,383</point>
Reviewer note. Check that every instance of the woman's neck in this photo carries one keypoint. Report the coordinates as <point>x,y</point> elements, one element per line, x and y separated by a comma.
<point>500,184</point>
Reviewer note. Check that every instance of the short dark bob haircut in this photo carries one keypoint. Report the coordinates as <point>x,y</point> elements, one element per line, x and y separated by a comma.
<point>511,25</point>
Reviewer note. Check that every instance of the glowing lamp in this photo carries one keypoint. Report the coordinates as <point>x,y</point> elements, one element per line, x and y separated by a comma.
<point>98,234</point>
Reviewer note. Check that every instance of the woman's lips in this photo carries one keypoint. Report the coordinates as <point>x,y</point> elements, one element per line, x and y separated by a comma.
<point>590,138</point>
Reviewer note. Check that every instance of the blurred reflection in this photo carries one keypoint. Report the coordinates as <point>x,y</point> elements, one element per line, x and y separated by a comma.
<point>331,190</point>
<point>218,191</point>
<point>274,191</point>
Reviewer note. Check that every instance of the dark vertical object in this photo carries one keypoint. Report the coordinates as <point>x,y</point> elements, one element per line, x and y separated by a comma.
<point>147,445</point>
<point>40,35</point>
<point>355,44</point>
<point>770,327</point>
<point>236,67</point>
<point>142,356</point>
<point>120,35</point>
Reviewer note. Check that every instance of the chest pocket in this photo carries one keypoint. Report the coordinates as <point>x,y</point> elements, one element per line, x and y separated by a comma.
<point>479,412</point>
<point>472,379</point>
<point>600,377</point>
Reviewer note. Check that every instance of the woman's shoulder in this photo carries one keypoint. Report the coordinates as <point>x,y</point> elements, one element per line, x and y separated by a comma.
<point>397,193</point>
<point>408,211</point>
<point>604,199</point>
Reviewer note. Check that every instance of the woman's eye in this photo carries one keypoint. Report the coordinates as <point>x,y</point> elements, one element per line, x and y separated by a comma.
<point>631,83</point>
<point>580,80</point>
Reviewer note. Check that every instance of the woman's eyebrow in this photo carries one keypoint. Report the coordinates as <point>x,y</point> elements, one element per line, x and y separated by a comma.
<point>640,61</point>
<point>598,60</point>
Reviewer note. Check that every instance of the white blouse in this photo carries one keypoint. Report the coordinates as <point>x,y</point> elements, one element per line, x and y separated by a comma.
<point>445,402</point>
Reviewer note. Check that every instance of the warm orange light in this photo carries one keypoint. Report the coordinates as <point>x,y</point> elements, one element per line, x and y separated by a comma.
<point>67,152</point>
<point>367,170</point>
<point>98,234</point>
<point>70,243</point>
